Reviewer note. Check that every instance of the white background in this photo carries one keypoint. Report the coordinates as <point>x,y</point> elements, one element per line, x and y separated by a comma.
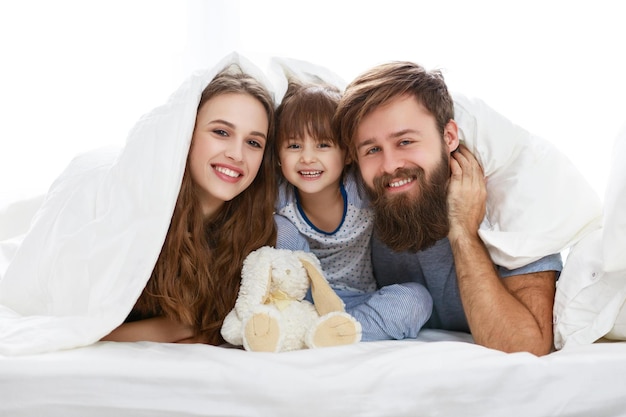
<point>76,75</point>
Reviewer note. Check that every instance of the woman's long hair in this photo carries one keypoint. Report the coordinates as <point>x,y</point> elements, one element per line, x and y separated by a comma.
<point>197,275</point>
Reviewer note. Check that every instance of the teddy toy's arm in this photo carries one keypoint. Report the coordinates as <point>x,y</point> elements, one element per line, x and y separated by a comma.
<point>232,329</point>
<point>324,297</point>
<point>334,327</point>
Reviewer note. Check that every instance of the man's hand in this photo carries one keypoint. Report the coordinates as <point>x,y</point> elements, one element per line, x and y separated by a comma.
<point>467,193</point>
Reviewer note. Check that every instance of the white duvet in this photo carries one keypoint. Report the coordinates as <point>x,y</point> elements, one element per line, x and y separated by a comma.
<point>91,248</point>
<point>590,301</point>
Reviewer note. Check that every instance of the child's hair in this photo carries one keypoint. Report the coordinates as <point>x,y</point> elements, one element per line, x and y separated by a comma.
<point>307,109</point>
<point>196,277</point>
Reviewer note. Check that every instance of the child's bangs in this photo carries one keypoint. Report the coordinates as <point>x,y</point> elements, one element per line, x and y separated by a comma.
<point>309,117</point>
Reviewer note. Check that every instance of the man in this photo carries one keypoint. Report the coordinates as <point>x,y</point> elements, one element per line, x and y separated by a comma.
<point>429,196</point>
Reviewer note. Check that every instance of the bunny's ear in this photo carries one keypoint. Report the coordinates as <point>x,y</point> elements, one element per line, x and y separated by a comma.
<point>324,297</point>
<point>256,275</point>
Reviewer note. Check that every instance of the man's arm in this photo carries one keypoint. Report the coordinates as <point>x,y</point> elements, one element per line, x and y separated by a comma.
<point>512,314</point>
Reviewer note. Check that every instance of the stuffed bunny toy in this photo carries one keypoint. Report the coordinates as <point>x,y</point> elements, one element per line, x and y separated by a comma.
<point>271,313</point>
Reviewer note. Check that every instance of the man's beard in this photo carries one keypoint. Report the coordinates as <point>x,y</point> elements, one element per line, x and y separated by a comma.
<point>409,221</point>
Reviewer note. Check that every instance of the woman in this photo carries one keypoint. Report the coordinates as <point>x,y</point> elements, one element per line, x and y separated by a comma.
<point>223,212</point>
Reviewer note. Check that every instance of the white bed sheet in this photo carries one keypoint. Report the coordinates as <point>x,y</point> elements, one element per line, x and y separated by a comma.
<point>440,374</point>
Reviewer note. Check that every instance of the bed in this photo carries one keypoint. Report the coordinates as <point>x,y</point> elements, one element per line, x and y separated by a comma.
<point>439,374</point>
<point>73,262</point>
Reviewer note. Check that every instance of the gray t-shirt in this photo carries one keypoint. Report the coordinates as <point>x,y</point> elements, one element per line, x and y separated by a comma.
<point>434,268</point>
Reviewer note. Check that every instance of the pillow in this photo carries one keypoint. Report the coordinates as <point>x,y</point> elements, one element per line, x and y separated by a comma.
<point>591,292</point>
<point>538,203</point>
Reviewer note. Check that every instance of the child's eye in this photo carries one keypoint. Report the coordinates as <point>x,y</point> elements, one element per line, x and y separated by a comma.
<point>293,146</point>
<point>324,145</point>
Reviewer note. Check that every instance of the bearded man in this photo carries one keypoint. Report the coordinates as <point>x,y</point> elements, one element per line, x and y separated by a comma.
<point>429,196</point>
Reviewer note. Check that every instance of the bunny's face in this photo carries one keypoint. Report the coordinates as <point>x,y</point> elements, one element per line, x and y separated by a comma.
<point>289,277</point>
<point>272,274</point>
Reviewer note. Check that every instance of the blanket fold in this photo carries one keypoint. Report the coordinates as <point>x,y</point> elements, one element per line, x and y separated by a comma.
<point>590,301</point>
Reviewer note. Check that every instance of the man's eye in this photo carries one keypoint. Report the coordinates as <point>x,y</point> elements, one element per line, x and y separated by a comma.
<point>372,150</point>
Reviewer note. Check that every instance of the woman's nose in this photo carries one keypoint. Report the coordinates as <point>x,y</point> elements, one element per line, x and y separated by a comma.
<point>235,150</point>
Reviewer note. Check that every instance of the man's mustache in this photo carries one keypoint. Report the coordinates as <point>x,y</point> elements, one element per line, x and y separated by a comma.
<point>381,182</point>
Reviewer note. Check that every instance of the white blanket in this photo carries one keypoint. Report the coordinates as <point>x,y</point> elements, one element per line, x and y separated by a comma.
<point>590,300</point>
<point>93,244</point>
<point>538,202</point>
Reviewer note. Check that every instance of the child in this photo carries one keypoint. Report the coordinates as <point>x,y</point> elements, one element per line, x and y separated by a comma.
<point>321,195</point>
